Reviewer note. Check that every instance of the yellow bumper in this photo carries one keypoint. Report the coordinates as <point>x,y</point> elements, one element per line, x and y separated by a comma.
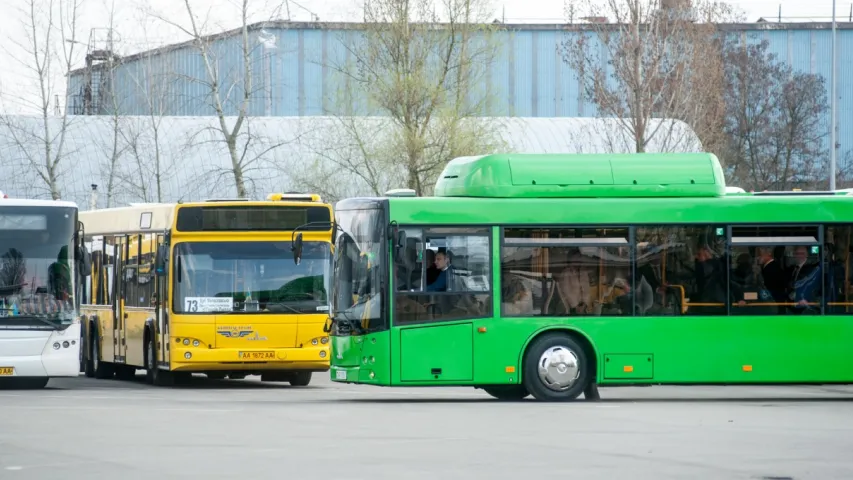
<point>236,359</point>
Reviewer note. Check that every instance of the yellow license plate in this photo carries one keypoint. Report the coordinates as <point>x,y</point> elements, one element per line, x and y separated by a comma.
<point>7,371</point>
<point>257,355</point>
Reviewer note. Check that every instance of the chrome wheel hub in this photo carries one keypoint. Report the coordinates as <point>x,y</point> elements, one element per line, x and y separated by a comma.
<point>559,368</point>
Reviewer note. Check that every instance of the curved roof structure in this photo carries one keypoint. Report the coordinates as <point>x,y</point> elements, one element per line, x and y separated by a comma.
<point>168,159</point>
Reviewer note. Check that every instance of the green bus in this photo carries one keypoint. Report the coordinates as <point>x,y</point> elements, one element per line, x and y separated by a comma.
<point>549,275</point>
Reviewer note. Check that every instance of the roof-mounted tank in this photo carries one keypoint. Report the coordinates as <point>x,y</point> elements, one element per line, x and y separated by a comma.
<point>583,175</point>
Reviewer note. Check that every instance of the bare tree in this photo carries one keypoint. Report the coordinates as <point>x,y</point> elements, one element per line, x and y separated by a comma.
<point>229,128</point>
<point>421,66</point>
<point>774,121</point>
<point>114,147</point>
<point>47,50</point>
<point>651,63</point>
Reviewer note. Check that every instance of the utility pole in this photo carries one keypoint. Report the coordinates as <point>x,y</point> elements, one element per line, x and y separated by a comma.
<point>832,110</point>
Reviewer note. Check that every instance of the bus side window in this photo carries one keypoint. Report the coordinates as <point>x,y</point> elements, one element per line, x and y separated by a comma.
<point>682,269</point>
<point>450,272</point>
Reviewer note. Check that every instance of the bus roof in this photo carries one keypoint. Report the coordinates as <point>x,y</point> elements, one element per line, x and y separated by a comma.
<point>583,175</point>
<point>140,218</point>
<point>26,202</point>
<point>159,217</point>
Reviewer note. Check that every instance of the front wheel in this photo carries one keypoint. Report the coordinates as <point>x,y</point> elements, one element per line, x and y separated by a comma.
<point>555,368</point>
<point>300,379</point>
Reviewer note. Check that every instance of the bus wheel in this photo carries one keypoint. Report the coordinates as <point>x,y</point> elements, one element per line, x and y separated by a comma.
<point>555,368</point>
<point>507,392</point>
<point>100,370</point>
<point>153,374</point>
<point>300,379</point>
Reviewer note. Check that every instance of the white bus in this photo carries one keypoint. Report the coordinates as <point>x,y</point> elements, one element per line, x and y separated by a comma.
<point>42,262</point>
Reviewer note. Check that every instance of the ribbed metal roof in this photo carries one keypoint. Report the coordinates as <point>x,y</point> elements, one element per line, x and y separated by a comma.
<point>286,151</point>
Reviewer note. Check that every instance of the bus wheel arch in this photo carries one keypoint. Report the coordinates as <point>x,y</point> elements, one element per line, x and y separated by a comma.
<point>570,352</point>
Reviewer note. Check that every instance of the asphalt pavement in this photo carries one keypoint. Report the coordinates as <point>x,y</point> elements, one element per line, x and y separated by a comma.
<point>247,430</point>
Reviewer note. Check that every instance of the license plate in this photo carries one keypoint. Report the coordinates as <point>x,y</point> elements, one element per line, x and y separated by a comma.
<point>340,374</point>
<point>7,371</point>
<point>257,355</point>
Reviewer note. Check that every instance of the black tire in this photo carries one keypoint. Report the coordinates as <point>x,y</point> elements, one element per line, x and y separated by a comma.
<point>100,369</point>
<point>153,374</point>
<point>300,379</point>
<point>569,356</point>
<point>507,393</point>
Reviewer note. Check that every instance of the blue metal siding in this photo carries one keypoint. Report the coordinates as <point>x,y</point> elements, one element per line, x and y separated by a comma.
<point>528,78</point>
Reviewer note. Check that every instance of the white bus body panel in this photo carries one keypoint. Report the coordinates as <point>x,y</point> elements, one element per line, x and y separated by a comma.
<point>32,354</point>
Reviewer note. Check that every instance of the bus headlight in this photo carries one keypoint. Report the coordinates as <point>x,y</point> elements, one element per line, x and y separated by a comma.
<point>314,341</point>
<point>188,355</point>
<point>322,354</point>
<point>324,340</point>
<point>56,345</point>
<point>66,344</point>
<point>195,343</point>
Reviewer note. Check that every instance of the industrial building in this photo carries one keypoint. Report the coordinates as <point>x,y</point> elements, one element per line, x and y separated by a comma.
<point>293,69</point>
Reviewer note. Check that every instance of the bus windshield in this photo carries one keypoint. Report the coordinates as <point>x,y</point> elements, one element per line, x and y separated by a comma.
<point>359,263</point>
<point>250,277</point>
<point>37,271</point>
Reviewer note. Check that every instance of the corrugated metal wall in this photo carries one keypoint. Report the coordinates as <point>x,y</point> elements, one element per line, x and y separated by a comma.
<point>529,78</point>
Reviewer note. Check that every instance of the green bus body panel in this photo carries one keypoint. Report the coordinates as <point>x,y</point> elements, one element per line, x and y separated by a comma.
<point>683,350</point>
<point>583,175</point>
<point>437,352</point>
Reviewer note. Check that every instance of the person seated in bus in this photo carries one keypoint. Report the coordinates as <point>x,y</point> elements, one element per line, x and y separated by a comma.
<point>59,276</point>
<point>772,275</point>
<point>431,270</point>
<point>516,298</point>
<point>803,281</point>
<point>710,277</point>
<point>574,288</point>
<point>445,270</point>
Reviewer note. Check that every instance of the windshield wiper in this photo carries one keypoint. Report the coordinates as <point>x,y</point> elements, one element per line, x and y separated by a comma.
<point>285,305</point>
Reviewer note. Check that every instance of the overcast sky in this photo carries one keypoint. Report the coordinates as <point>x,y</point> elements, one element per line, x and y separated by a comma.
<point>138,30</point>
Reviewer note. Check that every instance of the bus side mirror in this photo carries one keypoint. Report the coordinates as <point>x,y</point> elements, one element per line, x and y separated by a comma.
<point>400,246</point>
<point>297,248</point>
<point>85,261</point>
<point>160,260</point>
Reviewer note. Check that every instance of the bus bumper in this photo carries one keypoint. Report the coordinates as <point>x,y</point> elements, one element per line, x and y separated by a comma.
<point>315,359</point>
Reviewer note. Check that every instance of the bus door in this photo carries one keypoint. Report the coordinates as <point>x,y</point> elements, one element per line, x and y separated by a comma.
<point>119,311</point>
<point>161,307</point>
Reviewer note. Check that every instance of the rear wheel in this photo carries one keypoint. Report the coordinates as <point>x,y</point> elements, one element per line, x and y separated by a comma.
<point>555,368</point>
<point>507,392</point>
<point>301,379</point>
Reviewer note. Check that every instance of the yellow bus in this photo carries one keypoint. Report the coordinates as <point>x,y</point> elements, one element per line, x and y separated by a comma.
<point>208,287</point>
